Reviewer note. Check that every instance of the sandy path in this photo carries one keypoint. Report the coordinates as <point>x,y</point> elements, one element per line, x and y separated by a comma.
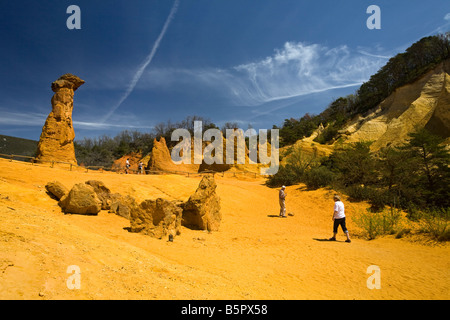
<point>255,255</point>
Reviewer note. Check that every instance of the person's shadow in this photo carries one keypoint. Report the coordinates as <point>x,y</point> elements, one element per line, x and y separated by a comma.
<point>326,240</point>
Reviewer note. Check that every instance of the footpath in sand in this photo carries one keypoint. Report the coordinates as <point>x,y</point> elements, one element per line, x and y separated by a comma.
<point>255,255</point>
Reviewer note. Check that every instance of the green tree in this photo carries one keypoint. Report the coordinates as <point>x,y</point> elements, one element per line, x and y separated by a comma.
<point>354,164</point>
<point>428,165</point>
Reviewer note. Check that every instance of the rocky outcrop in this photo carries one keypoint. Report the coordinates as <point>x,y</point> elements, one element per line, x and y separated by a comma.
<point>56,189</point>
<point>160,218</point>
<point>121,205</point>
<point>202,210</point>
<point>81,199</point>
<point>103,193</point>
<point>113,202</point>
<point>156,218</point>
<point>161,160</point>
<point>56,141</point>
<point>119,165</point>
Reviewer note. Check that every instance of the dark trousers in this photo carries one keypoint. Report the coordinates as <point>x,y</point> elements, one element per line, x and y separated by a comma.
<point>340,222</point>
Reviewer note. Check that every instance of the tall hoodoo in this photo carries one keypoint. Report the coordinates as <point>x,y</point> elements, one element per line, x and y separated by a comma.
<point>56,141</point>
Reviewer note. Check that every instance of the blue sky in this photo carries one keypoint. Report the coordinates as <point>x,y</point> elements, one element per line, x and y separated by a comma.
<point>253,62</point>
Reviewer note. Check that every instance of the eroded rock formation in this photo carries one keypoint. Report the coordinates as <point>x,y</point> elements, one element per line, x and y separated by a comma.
<point>156,218</point>
<point>56,189</point>
<point>202,210</point>
<point>56,141</point>
<point>81,199</point>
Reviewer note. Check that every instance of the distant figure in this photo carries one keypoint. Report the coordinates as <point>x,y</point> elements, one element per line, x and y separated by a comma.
<point>282,196</point>
<point>127,165</point>
<point>140,167</point>
<point>339,218</point>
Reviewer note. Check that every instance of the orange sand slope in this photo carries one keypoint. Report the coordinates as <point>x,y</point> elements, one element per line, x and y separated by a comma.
<point>255,255</point>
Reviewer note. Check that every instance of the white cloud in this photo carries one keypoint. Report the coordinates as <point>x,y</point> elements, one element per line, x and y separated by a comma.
<point>31,119</point>
<point>447,17</point>
<point>22,119</point>
<point>295,70</point>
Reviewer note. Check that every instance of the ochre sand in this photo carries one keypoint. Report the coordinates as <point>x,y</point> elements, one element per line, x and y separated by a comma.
<point>255,255</point>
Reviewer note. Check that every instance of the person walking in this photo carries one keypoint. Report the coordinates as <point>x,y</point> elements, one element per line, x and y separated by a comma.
<point>127,165</point>
<point>282,197</point>
<point>339,218</point>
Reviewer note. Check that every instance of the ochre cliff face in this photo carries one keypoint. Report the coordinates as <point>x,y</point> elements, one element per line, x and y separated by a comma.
<point>56,141</point>
<point>424,103</point>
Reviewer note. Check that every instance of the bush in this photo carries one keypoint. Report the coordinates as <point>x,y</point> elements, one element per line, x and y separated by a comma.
<point>318,177</point>
<point>285,176</point>
<point>436,223</point>
<point>375,224</point>
<point>297,163</point>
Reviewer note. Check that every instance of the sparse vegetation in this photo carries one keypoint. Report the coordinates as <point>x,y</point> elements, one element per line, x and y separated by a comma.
<point>436,223</point>
<point>375,224</point>
<point>413,177</point>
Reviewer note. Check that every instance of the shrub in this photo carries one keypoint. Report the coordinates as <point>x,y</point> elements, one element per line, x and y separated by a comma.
<point>285,176</point>
<point>318,177</point>
<point>436,223</point>
<point>375,224</point>
<point>297,163</point>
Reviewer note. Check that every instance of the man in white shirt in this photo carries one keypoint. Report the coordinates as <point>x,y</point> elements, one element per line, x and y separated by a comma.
<point>339,218</point>
<point>282,196</point>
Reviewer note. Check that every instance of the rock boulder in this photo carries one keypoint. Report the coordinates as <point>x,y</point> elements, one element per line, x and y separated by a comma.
<point>157,218</point>
<point>56,189</point>
<point>102,191</point>
<point>81,199</point>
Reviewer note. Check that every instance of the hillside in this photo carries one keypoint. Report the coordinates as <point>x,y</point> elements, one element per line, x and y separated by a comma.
<point>254,255</point>
<point>422,104</point>
<point>19,146</point>
<point>409,92</point>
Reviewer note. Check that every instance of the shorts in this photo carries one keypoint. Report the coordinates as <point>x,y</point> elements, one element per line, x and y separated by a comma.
<point>340,222</point>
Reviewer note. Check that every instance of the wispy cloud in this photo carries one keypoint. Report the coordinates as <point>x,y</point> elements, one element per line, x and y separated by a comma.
<point>299,69</point>
<point>295,70</point>
<point>31,119</point>
<point>146,62</point>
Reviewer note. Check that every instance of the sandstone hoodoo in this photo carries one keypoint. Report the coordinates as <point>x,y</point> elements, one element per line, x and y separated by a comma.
<point>160,159</point>
<point>56,141</point>
<point>202,210</point>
